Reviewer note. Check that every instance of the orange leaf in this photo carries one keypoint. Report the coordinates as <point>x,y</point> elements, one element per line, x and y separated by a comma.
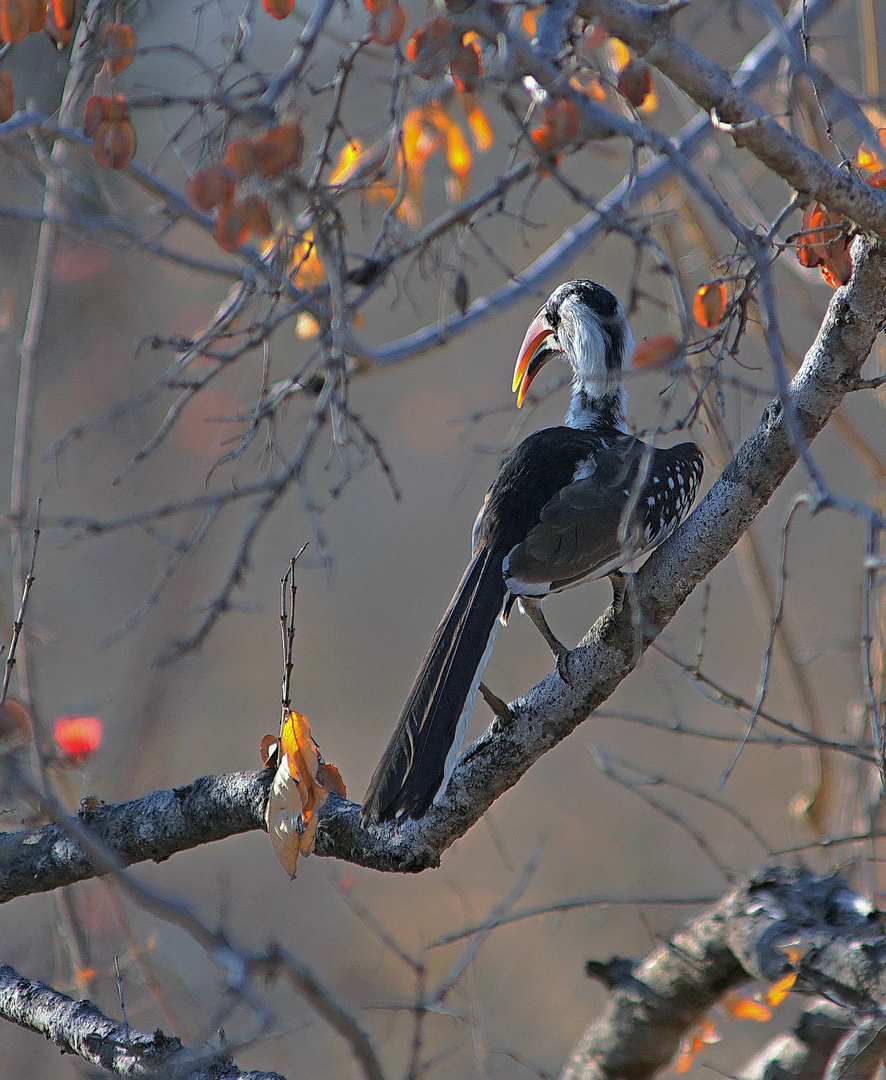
<point>560,122</point>
<point>269,751</point>
<point>825,243</point>
<point>635,82</point>
<point>480,129</point>
<point>7,98</point>
<point>710,304</point>
<point>529,21</point>
<point>209,188</point>
<point>37,15</point>
<point>387,26</point>
<point>240,157</point>
<point>15,20</point>
<point>16,723</point>
<point>705,1034</point>
<point>256,216</point>
<point>657,351</point>
<point>458,156</point>
<point>278,8</point>
<point>465,68</point>
<point>60,21</point>
<point>78,737</point>
<point>432,47</point>
<point>301,786</point>
<point>873,158</point>
<point>794,950</point>
<point>63,11</point>
<point>745,1008</point>
<point>280,148</point>
<point>329,778</point>
<point>776,993</point>
<point>117,43</point>
<point>231,228</point>
<point>114,144</point>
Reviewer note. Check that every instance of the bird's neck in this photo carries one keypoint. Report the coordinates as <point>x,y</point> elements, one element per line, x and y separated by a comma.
<point>589,410</point>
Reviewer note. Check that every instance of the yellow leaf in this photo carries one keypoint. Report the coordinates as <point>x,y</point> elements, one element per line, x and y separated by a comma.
<point>619,54</point>
<point>780,990</point>
<point>480,129</point>
<point>346,165</point>
<point>306,263</point>
<point>306,326</point>
<point>745,1008</point>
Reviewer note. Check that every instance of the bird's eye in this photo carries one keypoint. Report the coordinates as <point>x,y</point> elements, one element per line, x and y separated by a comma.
<point>553,317</point>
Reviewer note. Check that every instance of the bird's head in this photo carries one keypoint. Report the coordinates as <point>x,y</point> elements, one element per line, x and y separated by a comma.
<point>585,325</point>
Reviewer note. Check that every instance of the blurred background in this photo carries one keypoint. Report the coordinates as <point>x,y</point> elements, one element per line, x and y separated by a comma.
<point>372,589</point>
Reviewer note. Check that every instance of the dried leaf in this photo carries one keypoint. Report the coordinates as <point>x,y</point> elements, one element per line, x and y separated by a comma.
<point>710,304</point>
<point>465,68</point>
<point>301,786</point>
<point>117,43</point>
<point>15,20</point>
<point>705,1034</point>
<point>269,751</point>
<point>7,98</point>
<point>283,817</point>
<point>209,188</point>
<point>388,25</point>
<point>635,82</point>
<point>346,163</point>
<point>432,47</point>
<point>560,123</point>
<point>745,1008</point>
<point>776,993</point>
<point>280,148</point>
<point>279,9</point>
<point>657,351</point>
<point>16,723</point>
<point>114,144</point>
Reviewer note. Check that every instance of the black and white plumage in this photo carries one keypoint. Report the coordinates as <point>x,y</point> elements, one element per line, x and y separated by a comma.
<point>569,504</point>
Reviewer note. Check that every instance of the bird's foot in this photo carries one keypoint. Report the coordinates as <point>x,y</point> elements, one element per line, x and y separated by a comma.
<point>532,607</point>
<point>619,590</point>
<point>502,711</point>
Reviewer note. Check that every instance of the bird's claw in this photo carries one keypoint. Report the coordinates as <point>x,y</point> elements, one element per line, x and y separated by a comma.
<point>563,666</point>
<point>619,590</point>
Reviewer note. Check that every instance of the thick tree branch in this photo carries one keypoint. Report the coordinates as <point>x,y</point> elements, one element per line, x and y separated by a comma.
<point>160,824</point>
<point>742,938</point>
<point>78,1027</point>
<point>153,827</point>
<point>647,30</point>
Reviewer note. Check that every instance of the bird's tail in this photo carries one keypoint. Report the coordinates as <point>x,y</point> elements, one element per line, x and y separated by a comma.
<point>426,742</point>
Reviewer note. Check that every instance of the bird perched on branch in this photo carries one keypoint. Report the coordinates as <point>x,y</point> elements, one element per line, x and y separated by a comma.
<point>569,504</point>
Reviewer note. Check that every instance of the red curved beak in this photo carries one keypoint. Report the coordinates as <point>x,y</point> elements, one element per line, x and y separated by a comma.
<point>532,357</point>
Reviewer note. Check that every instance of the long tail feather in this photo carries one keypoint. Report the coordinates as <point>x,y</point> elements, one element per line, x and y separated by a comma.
<point>426,742</point>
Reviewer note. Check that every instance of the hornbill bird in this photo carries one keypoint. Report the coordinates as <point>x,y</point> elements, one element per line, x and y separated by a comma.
<point>569,504</point>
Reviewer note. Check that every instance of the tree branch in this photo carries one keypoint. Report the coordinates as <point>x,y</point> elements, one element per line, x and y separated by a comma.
<point>651,1008</point>
<point>647,30</point>
<point>78,1027</point>
<point>153,827</point>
